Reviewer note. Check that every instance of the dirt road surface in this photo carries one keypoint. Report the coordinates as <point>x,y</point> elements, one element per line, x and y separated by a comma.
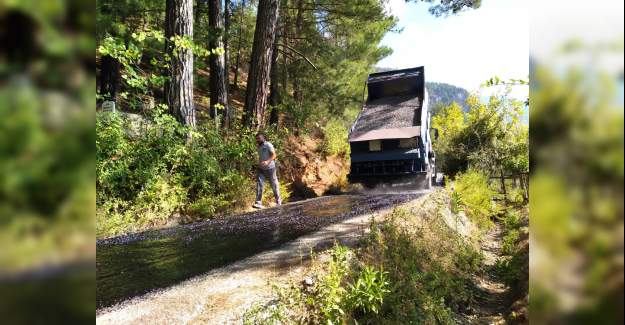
<point>211,272</point>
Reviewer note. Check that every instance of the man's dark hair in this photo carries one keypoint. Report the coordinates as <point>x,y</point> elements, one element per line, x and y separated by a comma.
<point>261,134</point>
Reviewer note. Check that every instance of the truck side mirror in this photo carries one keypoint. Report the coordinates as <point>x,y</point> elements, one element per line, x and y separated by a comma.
<point>435,133</point>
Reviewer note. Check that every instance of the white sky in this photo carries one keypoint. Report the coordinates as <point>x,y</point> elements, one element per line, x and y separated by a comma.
<point>463,50</point>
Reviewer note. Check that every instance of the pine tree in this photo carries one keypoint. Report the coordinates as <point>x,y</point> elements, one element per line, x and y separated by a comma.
<point>179,87</point>
<point>260,67</point>
<point>218,72</point>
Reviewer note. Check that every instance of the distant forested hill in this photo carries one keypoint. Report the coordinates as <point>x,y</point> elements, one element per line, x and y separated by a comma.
<point>442,94</point>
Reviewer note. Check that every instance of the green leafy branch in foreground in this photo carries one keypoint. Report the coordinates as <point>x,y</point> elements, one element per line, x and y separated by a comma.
<point>142,57</point>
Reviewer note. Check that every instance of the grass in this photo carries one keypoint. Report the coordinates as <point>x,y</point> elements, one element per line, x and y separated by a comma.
<point>471,193</point>
<point>512,268</point>
<point>410,269</point>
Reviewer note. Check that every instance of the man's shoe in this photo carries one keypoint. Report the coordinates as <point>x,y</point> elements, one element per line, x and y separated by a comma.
<point>257,205</point>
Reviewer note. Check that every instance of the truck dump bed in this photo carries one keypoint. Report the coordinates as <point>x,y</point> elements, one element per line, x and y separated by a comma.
<point>393,107</point>
<point>390,137</point>
<point>389,113</point>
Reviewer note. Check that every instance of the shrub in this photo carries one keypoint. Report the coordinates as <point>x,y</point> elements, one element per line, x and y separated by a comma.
<point>429,265</point>
<point>510,239</point>
<point>471,193</point>
<point>161,197</point>
<point>368,291</point>
<point>285,192</point>
<point>512,268</point>
<point>335,138</point>
<point>207,206</point>
<point>144,178</point>
<point>330,298</point>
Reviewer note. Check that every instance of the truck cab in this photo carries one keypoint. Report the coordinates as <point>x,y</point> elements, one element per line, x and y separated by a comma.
<point>390,140</point>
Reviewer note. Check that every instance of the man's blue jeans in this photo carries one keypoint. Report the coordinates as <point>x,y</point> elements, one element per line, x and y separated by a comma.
<point>262,176</point>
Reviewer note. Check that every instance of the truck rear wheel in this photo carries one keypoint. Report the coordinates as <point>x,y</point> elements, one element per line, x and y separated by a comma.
<point>423,181</point>
<point>369,185</point>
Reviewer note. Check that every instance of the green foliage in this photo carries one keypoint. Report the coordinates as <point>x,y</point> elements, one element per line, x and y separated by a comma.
<point>445,8</point>
<point>335,138</point>
<point>408,271</point>
<point>509,241</point>
<point>271,315</point>
<point>330,298</point>
<point>46,173</point>
<point>143,61</point>
<point>577,189</point>
<point>471,193</point>
<point>429,275</point>
<point>367,292</point>
<point>450,122</point>
<point>144,179</point>
<point>490,137</point>
<point>208,206</point>
<point>344,49</point>
<point>512,267</point>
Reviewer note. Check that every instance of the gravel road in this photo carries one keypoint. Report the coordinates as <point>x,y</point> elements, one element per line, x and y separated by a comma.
<point>147,264</point>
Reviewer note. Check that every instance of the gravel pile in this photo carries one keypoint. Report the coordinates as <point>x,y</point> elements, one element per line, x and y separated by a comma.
<point>389,113</point>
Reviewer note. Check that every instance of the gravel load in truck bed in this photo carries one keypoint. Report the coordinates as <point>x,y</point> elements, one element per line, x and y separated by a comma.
<point>389,113</point>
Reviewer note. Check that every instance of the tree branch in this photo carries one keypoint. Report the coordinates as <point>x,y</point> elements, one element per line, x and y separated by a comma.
<point>301,55</point>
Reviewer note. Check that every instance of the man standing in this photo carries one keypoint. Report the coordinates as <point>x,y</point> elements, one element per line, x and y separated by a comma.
<point>266,170</point>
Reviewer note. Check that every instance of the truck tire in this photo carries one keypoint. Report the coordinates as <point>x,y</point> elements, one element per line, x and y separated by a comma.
<point>423,181</point>
<point>369,185</point>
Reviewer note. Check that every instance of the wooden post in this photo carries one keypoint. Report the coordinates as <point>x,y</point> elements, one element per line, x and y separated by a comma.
<point>503,185</point>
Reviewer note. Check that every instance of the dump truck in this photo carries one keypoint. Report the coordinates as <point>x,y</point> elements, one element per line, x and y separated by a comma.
<point>390,140</point>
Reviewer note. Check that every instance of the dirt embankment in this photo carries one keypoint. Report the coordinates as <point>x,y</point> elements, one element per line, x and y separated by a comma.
<point>310,171</point>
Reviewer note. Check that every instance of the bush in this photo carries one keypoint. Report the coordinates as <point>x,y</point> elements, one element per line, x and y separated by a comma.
<point>144,178</point>
<point>207,206</point>
<point>368,291</point>
<point>285,192</point>
<point>513,267</point>
<point>471,193</point>
<point>330,297</point>
<point>429,265</point>
<point>160,198</point>
<point>335,138</point>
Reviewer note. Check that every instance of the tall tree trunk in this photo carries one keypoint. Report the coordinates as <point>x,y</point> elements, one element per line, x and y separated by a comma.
<point>109,77</point>
<point>297,92</point>
<point>240,36</point>
<point>227,16</point>
<point>218,88</point>
<point>285,59</point>
<point>262,49</point>
<point>179,87</point>
<point>109,66</point>
<point>274,96</point>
